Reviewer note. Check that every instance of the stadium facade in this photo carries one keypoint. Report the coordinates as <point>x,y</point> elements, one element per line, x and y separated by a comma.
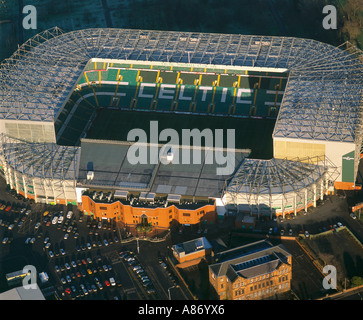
<point>52,90</point>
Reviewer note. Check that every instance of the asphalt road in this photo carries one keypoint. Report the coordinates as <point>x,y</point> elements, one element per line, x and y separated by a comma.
<point>333,209</point>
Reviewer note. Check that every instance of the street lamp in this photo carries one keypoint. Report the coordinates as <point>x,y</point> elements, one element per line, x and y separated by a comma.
<point>169,291</point>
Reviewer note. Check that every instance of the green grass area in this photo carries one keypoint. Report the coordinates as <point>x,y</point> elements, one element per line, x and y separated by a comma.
<point>255,134</point>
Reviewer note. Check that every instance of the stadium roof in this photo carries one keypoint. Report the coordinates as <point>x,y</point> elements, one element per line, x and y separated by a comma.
<point>20,293</point>
<point>275,176</point>
<point>323,97</point>
<point>112,169</point>
<point>42,160</point>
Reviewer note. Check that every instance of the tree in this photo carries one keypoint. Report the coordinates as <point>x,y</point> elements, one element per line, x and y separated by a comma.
<point>356,281</point>
<point>352,30</point>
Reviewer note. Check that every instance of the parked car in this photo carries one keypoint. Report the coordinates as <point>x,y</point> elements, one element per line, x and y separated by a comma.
<point>60,220</point>
<point>112,281</point>
<point>353,216</point>
<point>69,214</point>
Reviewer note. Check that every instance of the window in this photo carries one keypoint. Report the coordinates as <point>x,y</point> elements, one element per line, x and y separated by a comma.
<point>185,214</point>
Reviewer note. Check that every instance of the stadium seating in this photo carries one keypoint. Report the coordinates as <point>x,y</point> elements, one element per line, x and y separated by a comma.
<point>197,90</point>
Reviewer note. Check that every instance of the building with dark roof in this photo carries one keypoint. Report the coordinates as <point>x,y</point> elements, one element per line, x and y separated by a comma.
<point>251,272</point>
<point>192,252</point>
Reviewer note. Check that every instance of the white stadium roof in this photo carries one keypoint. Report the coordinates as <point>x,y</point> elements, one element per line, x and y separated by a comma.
<point>322,99</point>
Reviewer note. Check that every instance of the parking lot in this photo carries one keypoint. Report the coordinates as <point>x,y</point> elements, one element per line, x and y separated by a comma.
<point>84,258</point>
<point>328,214</point>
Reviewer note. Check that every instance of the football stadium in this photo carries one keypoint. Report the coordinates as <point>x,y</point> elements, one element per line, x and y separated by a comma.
<point>68,102</point>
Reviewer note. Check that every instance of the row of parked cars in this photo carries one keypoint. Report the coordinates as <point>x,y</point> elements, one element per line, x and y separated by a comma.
<point>12,219</point>
<point>85,275</point>
<point>138,270</point>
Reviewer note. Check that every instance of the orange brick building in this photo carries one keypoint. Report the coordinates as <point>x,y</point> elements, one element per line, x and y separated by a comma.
<point>261,274</point>
<point>157,216</point>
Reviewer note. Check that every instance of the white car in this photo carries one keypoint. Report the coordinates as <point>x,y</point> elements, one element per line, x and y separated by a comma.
<point>339,224</point>
<point>60,219</point>
<point>112,281</point>
<point>307,234</point>
<point>11,227</point>
<point>69,214</point>
<point>55,220</point>
<point>353,216</point>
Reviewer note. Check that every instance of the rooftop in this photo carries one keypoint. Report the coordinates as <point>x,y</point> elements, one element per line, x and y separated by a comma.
<point>192,246</point>
<point>250,260</point>
<point>37,79</point>
<point>112,169</point>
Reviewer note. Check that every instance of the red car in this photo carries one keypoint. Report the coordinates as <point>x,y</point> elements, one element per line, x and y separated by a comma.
<point>84,262</point>
<point>78,274</point>
<point>68,290</point>
<point>107,283</point>
<point>7,208</point>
